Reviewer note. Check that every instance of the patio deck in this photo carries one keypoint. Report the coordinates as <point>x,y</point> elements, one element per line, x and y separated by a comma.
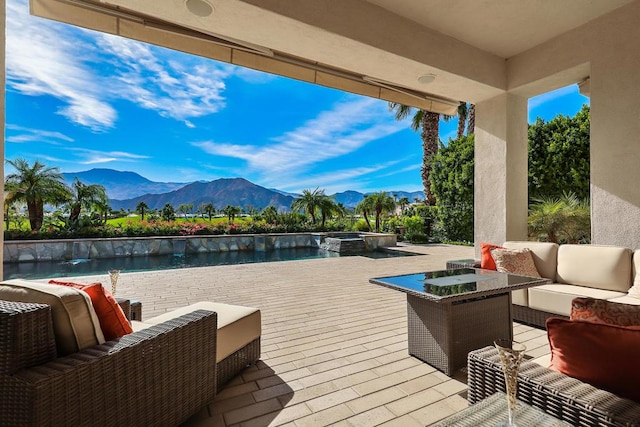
<point>334,346</point>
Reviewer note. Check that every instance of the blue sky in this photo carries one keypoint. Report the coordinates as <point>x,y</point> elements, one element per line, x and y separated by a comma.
<point>91,100</point>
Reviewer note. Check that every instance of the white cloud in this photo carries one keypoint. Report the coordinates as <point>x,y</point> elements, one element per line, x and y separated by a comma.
<point>416,166</point>
<point>42,60</point>
<point>336,180</point>
<point>148,77</point>
<point>24,134</point>
<point>91,157</point>
<point>343,130</point>
<point>89,71</point>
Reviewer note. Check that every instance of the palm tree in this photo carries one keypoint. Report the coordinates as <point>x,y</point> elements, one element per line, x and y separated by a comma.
<point>231,212</point>
<point>341,210</point>
<point>563,219</point>
<point>103,209</point>
<point>207,208</point>
<point>380,203</point>
<point>403,202</point>
<point>462,114</point>
<point>309,202</point>
<point>35,185</point>
<point>365,207</point>
<point>471,128</point>
<point>429,123</point>
<point>84,196</point>
<point>141,208</point>
<point>327,207</point>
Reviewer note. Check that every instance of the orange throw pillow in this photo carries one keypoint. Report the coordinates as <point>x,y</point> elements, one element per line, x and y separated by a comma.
<point>486,260</point>
<point>113,321</point>
<point>599,354</point>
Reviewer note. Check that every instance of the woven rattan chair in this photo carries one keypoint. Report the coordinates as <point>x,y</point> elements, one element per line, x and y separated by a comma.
<point>563,397</point>
<point>155,377</point>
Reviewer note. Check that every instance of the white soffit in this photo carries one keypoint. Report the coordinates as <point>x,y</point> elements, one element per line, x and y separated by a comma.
<point>502,27</point>
<point>351,45</point>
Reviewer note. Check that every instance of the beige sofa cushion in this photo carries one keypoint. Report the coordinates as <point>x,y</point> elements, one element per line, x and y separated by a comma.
<point>635,288</point>
<point>75,323</point>
<point>556,298</point>
<point>601,267</point>
<point>545,256</point>
<point>237,325</point>
<point>521,297</point>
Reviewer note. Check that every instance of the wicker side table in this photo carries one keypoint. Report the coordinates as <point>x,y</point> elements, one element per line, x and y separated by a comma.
<point>493,410</point>
<point>132,308</point>
<point>136,310</point>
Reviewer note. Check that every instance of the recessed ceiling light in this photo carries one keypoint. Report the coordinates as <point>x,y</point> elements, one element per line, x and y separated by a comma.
<point>199,7</point>
<point>427,78</point>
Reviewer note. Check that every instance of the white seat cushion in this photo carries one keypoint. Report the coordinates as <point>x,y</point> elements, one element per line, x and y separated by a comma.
<point>626,300</point>
<point>556,298</point>
<point>75,323</point>
<point>237,325</point>
<point>521,297</point>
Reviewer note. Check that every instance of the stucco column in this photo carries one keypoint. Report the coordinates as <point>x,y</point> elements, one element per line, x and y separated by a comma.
<point>615,146</point>
<point>3,26</point>
<point>500,193</point>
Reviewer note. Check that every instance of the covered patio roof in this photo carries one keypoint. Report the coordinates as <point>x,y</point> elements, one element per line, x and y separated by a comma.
<point>378,48</point>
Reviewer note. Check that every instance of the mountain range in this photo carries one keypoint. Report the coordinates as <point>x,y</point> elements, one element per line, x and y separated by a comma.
<point>126,189</point>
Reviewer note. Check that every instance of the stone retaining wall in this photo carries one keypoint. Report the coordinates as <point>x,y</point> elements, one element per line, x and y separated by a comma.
<point>64,250</point>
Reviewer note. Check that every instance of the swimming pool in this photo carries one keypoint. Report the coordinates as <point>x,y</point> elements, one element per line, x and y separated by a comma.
<point>83,267</point>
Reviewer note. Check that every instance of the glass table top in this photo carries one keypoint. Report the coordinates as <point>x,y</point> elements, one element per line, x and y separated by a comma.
<point>459,281</point>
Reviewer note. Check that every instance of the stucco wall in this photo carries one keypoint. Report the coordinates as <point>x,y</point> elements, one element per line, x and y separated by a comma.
<point>60,250</point>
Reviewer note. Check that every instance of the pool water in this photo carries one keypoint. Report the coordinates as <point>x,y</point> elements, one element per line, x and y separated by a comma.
<point>84,267</point>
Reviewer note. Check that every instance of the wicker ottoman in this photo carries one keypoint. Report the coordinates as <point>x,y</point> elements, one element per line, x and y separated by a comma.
<point>239,331</point>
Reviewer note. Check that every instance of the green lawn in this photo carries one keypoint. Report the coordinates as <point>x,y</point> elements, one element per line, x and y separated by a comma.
<point>214,221</point>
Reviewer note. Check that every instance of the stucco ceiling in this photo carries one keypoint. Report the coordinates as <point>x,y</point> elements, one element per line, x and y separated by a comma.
<point>353,45</point>
<point>502,27</point>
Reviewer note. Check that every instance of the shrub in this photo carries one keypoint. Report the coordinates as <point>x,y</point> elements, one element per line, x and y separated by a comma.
<point>560,220</point>
<point>361,225</point>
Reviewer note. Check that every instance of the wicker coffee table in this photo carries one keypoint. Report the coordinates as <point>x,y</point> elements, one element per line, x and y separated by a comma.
<point>491,411</point>
<point>452,312</point>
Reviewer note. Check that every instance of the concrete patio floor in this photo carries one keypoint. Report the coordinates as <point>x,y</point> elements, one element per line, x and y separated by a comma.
<point>334,346</point>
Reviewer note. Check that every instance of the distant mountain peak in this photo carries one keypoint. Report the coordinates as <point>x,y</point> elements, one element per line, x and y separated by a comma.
<point>121,184</point>
<point>126,189</point>
<point>220,192</point>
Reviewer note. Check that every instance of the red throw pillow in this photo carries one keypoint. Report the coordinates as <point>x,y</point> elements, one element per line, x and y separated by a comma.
<point>113,321</point>
<point>595,353</point>
<point>487,261</point>
<point>603,311</point>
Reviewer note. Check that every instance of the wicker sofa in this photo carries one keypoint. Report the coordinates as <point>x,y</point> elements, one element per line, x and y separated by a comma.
<point>603,272</point>
<point>158,376</point>
<point>566,398</point>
